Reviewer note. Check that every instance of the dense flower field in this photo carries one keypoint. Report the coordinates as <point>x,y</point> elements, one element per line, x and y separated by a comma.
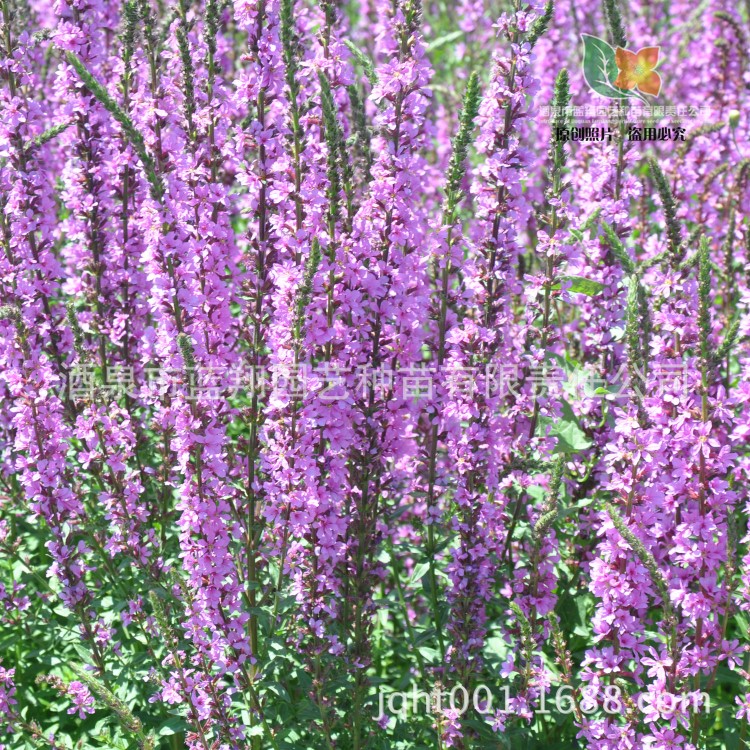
<point>374,374</point>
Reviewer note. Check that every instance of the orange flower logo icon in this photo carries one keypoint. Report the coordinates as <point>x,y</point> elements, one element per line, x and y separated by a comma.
<point>637,70</point>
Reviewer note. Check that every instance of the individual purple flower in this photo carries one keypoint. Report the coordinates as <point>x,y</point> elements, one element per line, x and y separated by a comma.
<point>83,701</point>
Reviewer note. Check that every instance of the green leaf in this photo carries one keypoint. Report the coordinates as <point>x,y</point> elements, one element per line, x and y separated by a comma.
<point>600,68</point>
<point>742,623</point>
<point>537,492</point>
<point>172,726</point>
<point>419,572</point>
<point>424,637</point>
<point>577,508</point>
<point>582,285</point>
<point>443,40</point>
<point>431,654</point>
<point>570,437</point>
